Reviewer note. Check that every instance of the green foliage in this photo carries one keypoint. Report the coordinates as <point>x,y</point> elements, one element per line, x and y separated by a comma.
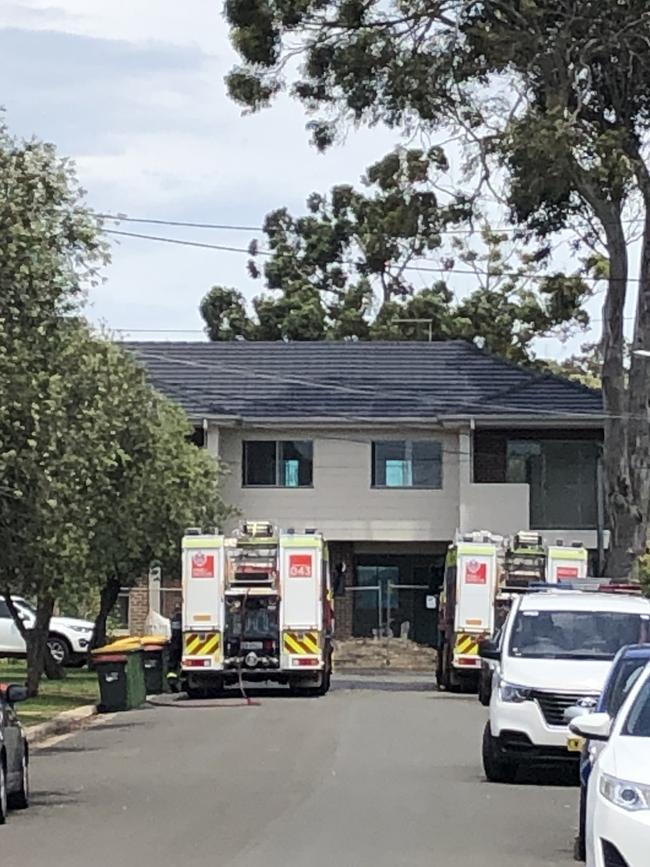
<point>348,268</point>
<point>554,95</point>
<point>585,368</point>
<point>97,475</point>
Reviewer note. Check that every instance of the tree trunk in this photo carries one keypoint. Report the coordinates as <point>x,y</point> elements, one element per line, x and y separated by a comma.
<point>108,598</point>
<point>639,386</point>
<point>622,515</point>
<point>51,668</point>
<point>37,649</point>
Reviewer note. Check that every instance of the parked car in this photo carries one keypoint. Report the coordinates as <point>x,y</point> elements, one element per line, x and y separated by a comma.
<point>626,669</point>
<point>68,641</point>
<point>556,650</point>
<point>14,754</point>
<point>618,793</point>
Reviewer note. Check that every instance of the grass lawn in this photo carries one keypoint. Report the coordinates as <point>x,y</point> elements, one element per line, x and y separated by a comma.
<point>79,687</point>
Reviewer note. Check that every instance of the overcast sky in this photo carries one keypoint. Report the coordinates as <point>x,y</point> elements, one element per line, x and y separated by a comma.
<point>134,92</point>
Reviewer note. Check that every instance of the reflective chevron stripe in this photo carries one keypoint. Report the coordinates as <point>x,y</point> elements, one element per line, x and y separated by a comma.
<point>301,643</point>
<point>466,645</point>
<point>201,643</point>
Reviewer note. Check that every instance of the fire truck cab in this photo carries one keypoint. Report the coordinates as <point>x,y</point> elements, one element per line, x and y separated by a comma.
<point>257,606</point>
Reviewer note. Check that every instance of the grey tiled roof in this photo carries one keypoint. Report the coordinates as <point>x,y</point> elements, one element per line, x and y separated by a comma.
<point>355,380</point>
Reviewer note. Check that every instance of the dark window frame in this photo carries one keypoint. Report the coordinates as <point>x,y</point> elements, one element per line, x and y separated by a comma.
<point>279,459</point>
<point>408,446</point>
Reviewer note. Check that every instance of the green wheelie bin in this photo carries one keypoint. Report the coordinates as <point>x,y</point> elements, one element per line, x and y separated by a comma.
<point>120,673</point>
<point>156,664</point>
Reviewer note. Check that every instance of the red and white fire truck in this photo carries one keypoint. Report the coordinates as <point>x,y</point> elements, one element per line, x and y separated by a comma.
<point>257,606</point>
<point>483,571</point>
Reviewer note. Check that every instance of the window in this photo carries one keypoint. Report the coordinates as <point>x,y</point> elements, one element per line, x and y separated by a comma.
<point>407,464</point>
<point>562,479</point>
<point>4,610</point>
<point>278,464</point>
<point>575,634</point>
<point>638,721</point>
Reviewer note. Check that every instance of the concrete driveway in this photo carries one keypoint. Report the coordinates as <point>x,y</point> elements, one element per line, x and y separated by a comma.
<point>381,772</point>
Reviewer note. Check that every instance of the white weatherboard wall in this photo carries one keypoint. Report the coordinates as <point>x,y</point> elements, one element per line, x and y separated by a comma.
<point>342,503</point>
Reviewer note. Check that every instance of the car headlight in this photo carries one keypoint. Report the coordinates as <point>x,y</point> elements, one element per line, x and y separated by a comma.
<point>628,796</point>
<point>512,693</point>
<point>84,629</point>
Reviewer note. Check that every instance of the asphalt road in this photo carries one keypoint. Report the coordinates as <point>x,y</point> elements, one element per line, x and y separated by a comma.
<point>381,772</point>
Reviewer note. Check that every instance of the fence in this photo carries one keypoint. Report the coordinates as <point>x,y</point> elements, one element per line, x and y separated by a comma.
<point>386,610</point>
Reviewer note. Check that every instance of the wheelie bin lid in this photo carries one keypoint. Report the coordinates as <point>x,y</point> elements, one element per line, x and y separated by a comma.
<point>122,645</point>
<point>154,640</point>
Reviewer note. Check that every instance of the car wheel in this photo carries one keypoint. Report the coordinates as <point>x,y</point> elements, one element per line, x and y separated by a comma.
<point>3,793</point>
<point>20,800</point>
<point>496,768</point>
<point>59,649</point>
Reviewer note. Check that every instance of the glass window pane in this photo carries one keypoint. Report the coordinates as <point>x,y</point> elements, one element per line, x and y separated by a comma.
<point>398,474</point>
<point>638,721</point>
<point>562,479</point>
<point>427,464</point>
<point>297,463</point>
<point>260,462</point>
<point>407,464</point>
<point>4,609</point>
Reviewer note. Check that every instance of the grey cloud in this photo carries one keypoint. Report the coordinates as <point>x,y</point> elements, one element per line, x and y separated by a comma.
<point>87,91</point>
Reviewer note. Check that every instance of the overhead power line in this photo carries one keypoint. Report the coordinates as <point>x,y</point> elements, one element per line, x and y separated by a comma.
<point>204,245</point>
<point>180,241</point>
<point>122,218</point>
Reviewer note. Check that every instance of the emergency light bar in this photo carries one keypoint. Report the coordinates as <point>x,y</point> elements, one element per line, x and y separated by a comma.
<point>583,585</point>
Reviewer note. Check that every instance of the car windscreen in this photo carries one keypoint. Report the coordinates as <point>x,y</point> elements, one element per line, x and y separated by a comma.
<point>637,724</point>
<point>576,634</point>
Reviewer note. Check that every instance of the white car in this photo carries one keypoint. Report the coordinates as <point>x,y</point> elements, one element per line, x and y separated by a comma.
<point>618,797</point>
<point>555,651</point>
<point>68,640</point>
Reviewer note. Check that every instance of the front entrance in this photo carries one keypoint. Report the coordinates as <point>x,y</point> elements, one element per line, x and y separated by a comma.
<point>390,596</point>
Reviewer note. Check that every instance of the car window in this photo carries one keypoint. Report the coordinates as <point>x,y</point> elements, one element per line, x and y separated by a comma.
<point>625,678</point>
<point>4,609</point>
<point>576,634</point>
<point>637,724</point>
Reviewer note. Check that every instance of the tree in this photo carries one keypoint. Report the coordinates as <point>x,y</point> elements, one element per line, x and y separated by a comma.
<point>97,475</point>
<point>158,485</point>
<point>47,526</point>
<point>570,138</point>
<point>352,266</point>
<point>50,248</point>
<point>584,367</point>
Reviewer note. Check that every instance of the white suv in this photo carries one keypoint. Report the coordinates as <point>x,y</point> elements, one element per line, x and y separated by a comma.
<point>555,651</point>
<point>68,641</point>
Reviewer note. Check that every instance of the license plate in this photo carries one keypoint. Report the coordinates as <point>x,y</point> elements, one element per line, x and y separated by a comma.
<point>251,645</point>
<point>575,745</point>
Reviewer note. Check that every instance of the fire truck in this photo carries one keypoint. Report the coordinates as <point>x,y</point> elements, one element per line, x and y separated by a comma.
<point>483,573</point>
<point>257,606</point>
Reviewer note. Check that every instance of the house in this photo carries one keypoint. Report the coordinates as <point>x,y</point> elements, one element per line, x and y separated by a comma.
<point>389,449</point>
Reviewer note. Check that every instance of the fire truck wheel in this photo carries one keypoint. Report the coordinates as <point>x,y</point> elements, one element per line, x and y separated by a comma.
<point>485,688</point>
<point>442,676</point>
<point>496,768</point>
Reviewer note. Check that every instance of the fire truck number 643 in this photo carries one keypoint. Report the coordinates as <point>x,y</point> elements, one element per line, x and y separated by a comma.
<point>300,565</point>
